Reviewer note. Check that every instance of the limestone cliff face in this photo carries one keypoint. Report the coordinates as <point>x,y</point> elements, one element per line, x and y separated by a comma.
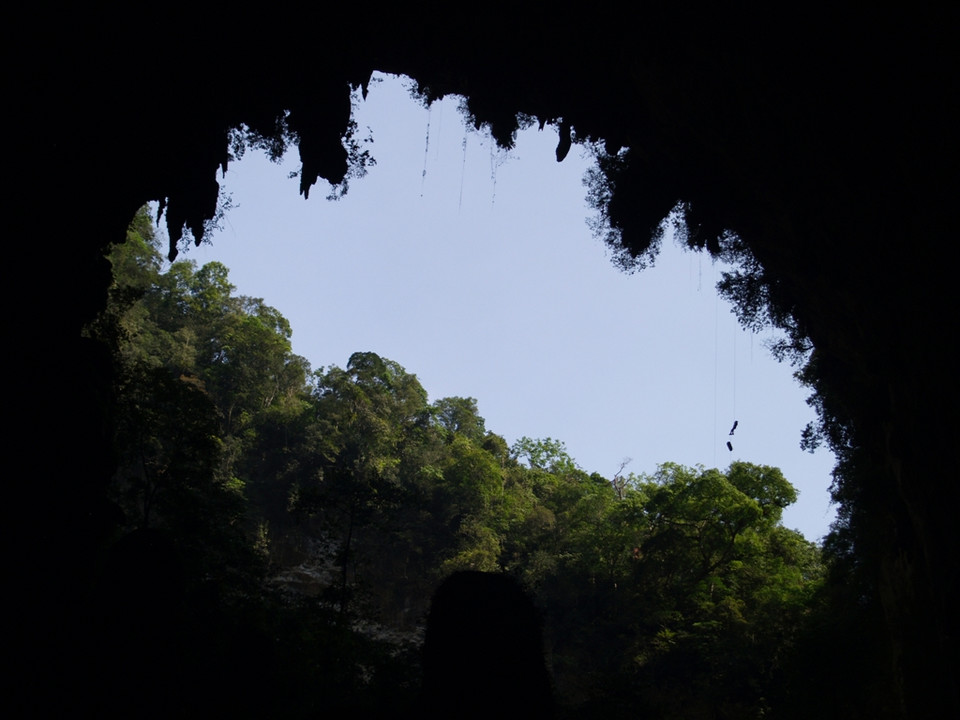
<point>828,143</point>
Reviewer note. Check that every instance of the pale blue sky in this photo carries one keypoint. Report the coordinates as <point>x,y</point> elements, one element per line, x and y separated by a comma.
<point>475,270</point>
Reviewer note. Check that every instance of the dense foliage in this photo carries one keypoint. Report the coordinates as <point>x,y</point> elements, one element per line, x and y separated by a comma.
<point>280,532</point>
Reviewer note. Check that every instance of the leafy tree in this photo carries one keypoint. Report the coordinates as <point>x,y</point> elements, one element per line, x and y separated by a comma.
<point>367,414</point>
<point>459,415</point>
<point>717,582</point>
<point>196,366</point>
<point>544,454</point>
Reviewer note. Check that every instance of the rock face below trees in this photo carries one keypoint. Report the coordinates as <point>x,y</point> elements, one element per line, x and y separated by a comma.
<point>828,144</point>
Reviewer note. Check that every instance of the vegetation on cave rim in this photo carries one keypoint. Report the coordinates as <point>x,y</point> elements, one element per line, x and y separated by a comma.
<point>287,527</point>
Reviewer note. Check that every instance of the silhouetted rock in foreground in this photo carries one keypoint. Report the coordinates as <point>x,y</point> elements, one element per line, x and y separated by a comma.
<point>483,653</point>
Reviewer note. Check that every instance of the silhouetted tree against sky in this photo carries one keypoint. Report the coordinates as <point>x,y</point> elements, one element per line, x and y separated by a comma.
<point>826,142</point>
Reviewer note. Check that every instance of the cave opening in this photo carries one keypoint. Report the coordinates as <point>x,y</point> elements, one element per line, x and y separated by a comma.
<point>474,268</point>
